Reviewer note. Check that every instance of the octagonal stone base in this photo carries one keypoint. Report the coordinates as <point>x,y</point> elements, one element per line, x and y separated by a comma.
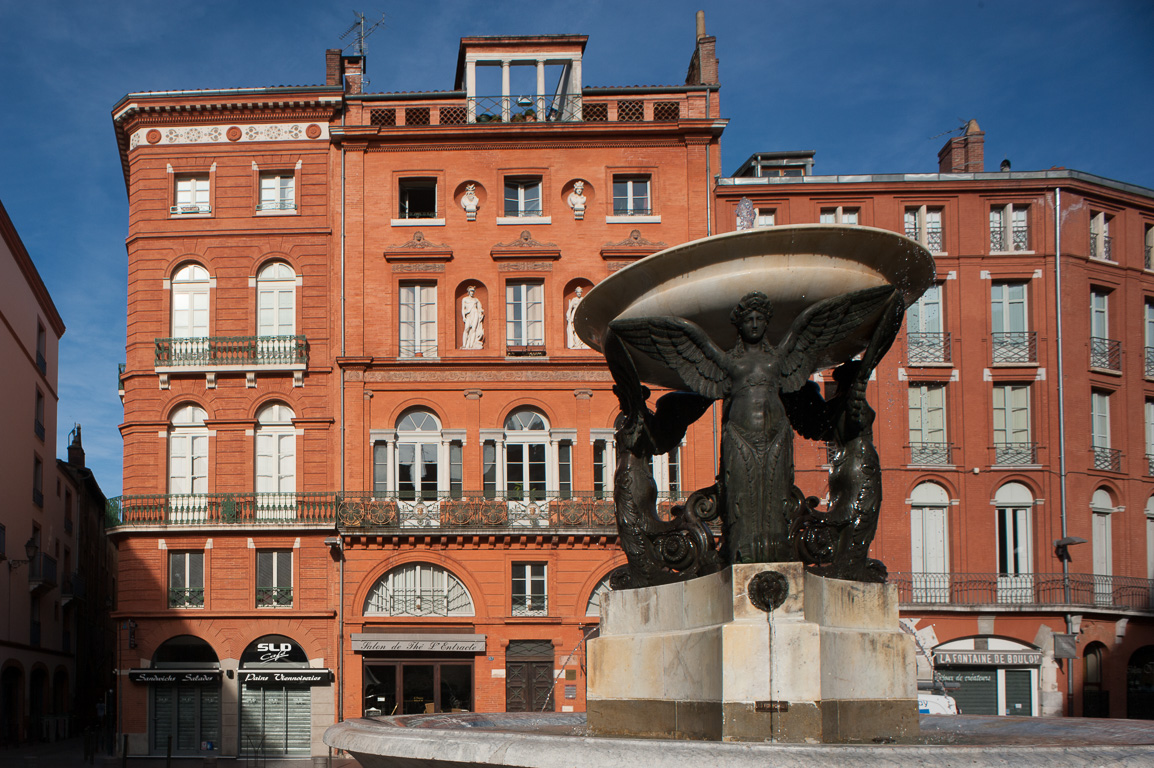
<point>697,660</point>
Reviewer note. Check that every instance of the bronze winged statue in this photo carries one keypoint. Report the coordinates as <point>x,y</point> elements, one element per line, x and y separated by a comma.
<point>753,379</point>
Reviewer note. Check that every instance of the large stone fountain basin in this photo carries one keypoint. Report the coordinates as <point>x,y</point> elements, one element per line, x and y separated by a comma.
<point>795,266</point>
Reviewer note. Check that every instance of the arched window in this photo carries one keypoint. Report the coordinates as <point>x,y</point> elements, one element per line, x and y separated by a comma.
<point>419,589</point>
<point>1150,538</point>
<point>276,288</point>
<point>593,606</point>
<point>526,466</point>
<point>929,543</point>
<point>1101,509</point>
<point>187,460</point>
<point>276,460</point>
<point>1014,503</point>
<point>190,287</point>
<point>418,456</point>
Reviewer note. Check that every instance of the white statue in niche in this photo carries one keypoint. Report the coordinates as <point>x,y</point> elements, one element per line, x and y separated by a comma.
<point>576,199</point>
<point>574,341</point>
<point>470,202</point>
<point>473,315</point>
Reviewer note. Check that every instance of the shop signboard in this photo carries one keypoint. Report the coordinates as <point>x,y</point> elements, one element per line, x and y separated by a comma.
<point>174,676</point>
<point>404,643</point>
<point>281,677</point>
<point>988,658</point>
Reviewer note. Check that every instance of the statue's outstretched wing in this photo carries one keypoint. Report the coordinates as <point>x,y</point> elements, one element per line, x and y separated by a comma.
<point>826,322</point>
<point>683,346</point>
<point>887,329</point>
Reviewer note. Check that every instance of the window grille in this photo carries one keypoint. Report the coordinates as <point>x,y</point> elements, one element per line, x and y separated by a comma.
<point>632,111</point>
<point>596,113</point>
<point>383,117</point>
<point>666,111</point>
<point>453,115</point>
<point>416,116</point>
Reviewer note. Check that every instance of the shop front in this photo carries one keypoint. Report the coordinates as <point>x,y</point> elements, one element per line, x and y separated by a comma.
<point>184,687</point>
<point>413,673</point>
<point>990,675</point>
<point>276,684</point>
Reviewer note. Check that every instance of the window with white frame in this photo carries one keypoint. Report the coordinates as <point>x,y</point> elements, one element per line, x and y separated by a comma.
<point>840,215</point>
<point>924,224</point>
<point>631,196</point>
<point>1100,240</point>
<point>764,217</point>
<point>418,456</point>
<point>188,452</point>
<point>927,417</point>
<point>1105,352</point>
<point>418,326</point>
<point>530,594</point>
<point>277,191</point>
<point>600,589</point>
<point>191,195</point>
<point>1012,441</point>
<point>185,579</point>
<point>190,287</point>
<point>1150,538</point>
<point>1014,502</point>
<point>1149,438</point>
<point>276,289</point>
<point>1149,333</point>
<point>419,589</point>
<point>417,198</point>
<point>1009,324</point>
<point>929,543</point>
<point>1104,456</point>
<point>523,196</point>
<point>275,456</point>
<point>526,465</point>
<point>926,340</point>
<point>274,578</point>
<point>524,315</point>
<point>1101,509</point>
<point>1009,228</point>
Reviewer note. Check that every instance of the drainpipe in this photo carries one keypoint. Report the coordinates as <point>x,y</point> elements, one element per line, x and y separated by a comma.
<point>341,566</point>
<point>1062,437</point>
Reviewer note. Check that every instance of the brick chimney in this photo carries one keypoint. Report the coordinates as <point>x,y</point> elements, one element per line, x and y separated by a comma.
<point>333,66</point>
<point>344,70</point>
<point>965,153</point>
<point>703,65</point>
<point>76,450</point>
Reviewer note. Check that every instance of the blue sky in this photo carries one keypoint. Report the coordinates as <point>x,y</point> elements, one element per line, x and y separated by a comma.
<point>873,87</point>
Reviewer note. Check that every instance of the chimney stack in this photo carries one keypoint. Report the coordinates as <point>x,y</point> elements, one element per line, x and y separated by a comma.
<point>333,66</point>
<point>75,449</point>
<point>965,153</point>
<point>703,65</point>
<point>344,70</point>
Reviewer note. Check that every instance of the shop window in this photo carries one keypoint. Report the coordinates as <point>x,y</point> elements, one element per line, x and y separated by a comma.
<point>274,578</point>
<point>417,687</point>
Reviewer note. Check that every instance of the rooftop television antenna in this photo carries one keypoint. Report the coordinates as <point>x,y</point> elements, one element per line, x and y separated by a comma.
<point>360,33</point>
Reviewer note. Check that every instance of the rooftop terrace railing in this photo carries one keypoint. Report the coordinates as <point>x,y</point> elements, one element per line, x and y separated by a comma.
<point>526,109</point>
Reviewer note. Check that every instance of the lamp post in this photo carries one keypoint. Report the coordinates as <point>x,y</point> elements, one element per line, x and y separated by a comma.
<point>31,549</point>
<point>1062,552</point>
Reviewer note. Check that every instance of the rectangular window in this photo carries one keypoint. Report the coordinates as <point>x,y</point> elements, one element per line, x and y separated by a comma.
<point>185,579</point>
<point>631,196</point>
<point>764,217</point>
<point>524,315</point>
<point>523,196</point>
<point>1009,228</point>
<point>418,198</point>
<point>489,469</point>
<point>274,578</point>
<point>67,515</point>
<point>675,473</point>
<point>565,469</point>
<point>1150,439</point>
<point>927,343</point>
<point>529,591</point>
<point>191,195</point>
<point>925,225</point>
<point>41,348</point>
<point>37,481</point>
<point>38,425</point>
<point>1100,420</point>
<point>1012,442</point>
<point>418,303</point>
<point>380,469</point>
<point>1011,339</point>
<point>1105,352</point>
<point>839,215</point>
<point>456,490</point>
<point>599,484</point>
<point>927,412</point>
<point>277,191</point>
<point>1100,241</point>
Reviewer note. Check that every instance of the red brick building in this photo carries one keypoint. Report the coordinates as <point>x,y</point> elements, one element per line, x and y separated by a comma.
<point>1016,409</point>
<point>366,465</point>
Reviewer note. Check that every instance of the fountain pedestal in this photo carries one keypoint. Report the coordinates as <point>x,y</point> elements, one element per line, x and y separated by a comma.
<point>697,660</point>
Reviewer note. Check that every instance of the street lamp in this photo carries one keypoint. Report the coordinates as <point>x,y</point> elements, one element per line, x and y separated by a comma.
<point>31,549</point>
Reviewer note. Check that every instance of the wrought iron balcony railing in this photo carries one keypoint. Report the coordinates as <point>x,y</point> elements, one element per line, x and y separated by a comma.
<point>632,211</point>
<point>42,571</point>
<point>1100,246</point>
<point>1149,263</point>
<point>186,597</point>
<point>1016,453</point>
<point>530,605</point>
<point>237,352</point>
<point>418,349</point>
<point>215,509</point>
<point>934,239</point>
<point>1024,589</point>
<point>413,602</point>
<point>1150,362</point>
<point>189,208</point>
<point>1150,465</point>
<point>1105,353</point>
<point>524,109</point>
<point>931,453</point>
<point>276,205</point>
<point>997,237</point>
<point>928,348</point>
<point>274,597</point>
<point>1014,347</point>
<point>1021,238</point>
<point>1107,459</point>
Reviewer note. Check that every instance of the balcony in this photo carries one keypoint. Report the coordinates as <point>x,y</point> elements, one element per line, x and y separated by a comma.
<point>1150,362</point>
<point>274,597</point>
<point>935,454</point>
<point>1150,465</point>
<point>530,605</point>
<point>72,588</point>
<point>1100,246</point>
<point>1027,590</point>
<point>1016,348</point>
<point>222,509</point>
<point>276,205</point>
<point>41,574</point>
<point>186,209</point>
<point>928,349</point>
<point>216,354</point>
<point>1105,354</point>
<point>1107,459</point>
<point>1015,454</point>
<point>1019,238</point>
<point>478,512</point>
<point>186,597</point>
<point>934,240</point>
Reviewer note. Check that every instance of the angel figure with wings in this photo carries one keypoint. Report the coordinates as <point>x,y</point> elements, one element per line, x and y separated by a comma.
<point>754,380</point>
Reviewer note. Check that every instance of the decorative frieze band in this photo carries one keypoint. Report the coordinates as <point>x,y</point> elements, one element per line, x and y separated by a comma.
<point>218,134</point>
<point>490,375</point>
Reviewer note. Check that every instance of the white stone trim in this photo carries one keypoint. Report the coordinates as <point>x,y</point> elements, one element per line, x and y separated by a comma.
<point>215,134</point>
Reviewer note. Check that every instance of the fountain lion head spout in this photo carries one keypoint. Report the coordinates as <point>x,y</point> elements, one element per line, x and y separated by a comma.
<point>747,318</point>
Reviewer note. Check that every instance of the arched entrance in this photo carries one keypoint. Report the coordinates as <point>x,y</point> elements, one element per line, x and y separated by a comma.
<point>184,697</point>
<point>11,705</point>
<point>1095,698</point>
<point>276,698</point>
<point>37,704</point>
<point>61,708</point>
<point>1140,684</point>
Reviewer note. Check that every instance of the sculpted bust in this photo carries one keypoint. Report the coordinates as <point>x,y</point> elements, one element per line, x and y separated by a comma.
<point>576,199</point>
<point>470,202</point>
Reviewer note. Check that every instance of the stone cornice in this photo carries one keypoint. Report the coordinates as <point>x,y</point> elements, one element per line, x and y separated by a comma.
<point>418,249</point>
